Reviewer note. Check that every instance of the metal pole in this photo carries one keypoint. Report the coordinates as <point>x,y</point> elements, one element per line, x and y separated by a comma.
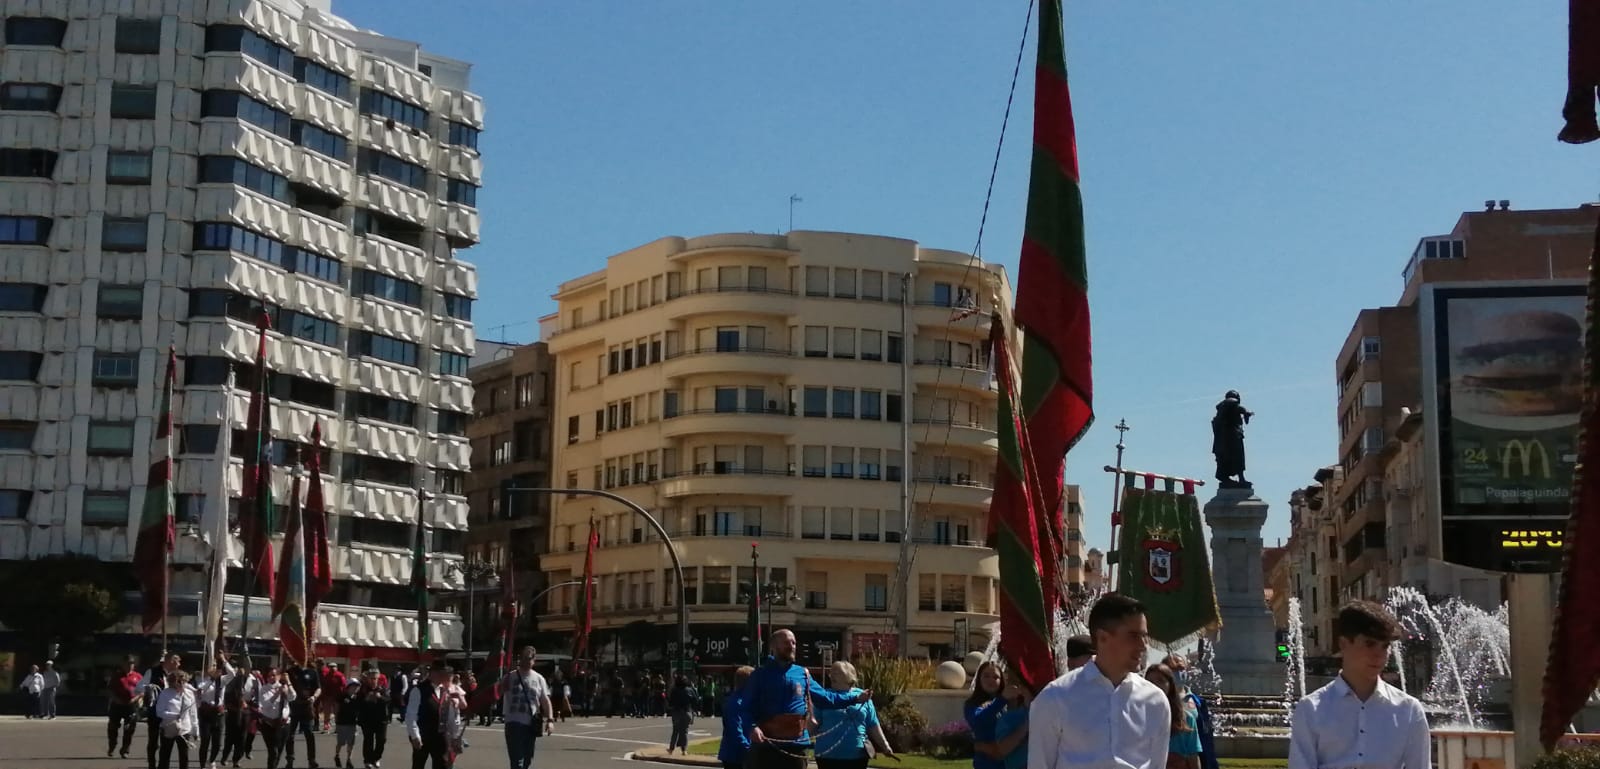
<point>907,464</point>
<point>470,595</point>
<point>672,551</point>
<point>1116,503</point>
<point>756,595</point>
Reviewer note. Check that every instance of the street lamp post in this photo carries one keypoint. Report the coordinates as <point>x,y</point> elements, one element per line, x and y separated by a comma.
<point>672,551</point>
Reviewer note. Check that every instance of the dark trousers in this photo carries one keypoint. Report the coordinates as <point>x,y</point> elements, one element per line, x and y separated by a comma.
<point>210,735</point>
<point>769,756</point>
<point>305,723</point>
<point>521,741</point>
<point>680,734</point>
<point>842,763</point>
<point>152,743</point>
<point>433,747</point>
<point>235,728</point>
<point>373,737</point>
<point>120,717</point>
<point>274,734</point>
<point>166,752</point>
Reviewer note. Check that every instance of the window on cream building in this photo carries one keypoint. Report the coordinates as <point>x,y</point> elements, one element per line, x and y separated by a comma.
<point>841,523</point>
<point>816,590</point>
<point>718,585</point>
<point>876,597</point>
<point>953,593</point>
<point>844,282</point>
<point>816,281</point>
<point>927,592</point>
<point>868,524</point>
<point>816,341</point>
<point>813,522</point>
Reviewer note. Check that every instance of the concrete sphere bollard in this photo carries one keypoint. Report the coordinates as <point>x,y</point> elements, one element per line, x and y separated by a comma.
<point>950,675</point>
<point>972,662</point>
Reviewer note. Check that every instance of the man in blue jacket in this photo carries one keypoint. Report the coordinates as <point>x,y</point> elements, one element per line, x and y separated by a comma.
<point>780,700</point>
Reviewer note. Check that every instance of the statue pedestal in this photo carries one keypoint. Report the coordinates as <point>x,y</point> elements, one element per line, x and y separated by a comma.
<point>1247,657</point>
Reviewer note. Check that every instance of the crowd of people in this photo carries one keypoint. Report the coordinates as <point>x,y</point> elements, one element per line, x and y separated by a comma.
<point>1107,709</point>
<point>217,715</point>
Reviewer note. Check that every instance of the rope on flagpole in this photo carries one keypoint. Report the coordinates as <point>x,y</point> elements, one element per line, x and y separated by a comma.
<point>976,317</point>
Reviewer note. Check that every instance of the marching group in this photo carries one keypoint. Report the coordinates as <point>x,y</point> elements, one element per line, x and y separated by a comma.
<point>218,716</point>
<point>1108,709</point>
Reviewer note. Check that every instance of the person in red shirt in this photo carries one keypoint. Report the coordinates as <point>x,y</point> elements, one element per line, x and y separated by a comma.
<point>333,683</point>
<point>122,709</point>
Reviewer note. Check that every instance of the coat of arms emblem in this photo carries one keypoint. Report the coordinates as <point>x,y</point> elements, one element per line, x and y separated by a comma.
<point>1163,562</point>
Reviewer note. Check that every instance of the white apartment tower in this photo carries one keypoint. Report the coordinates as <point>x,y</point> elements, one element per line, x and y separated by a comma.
<point>172,169</point>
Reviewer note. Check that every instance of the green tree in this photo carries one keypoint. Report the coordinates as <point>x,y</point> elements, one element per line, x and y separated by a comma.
<point>59,599</point>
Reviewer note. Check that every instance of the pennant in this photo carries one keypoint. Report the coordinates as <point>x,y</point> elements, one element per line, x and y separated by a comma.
<point>319,562</point>
<point>1573,669</point>
<point>1162,562</point>
<point>289,601</point>
<point>1052,309</point>
<point>157,533</point>
<point>580,645</point>
<point>214,525</point>
<point>1026,629</point>
<point>258,512</point>
<point>419,581</point>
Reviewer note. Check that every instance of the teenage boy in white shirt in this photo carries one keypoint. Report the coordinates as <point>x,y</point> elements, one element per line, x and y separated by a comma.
<point>1358,720</point>
<point>1104,713</point>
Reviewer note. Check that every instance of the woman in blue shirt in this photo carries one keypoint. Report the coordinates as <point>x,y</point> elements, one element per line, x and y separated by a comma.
<point>983,710</point>
<point>1183,751</point>
<point>734,742</point>
<point>841,737</point>
<point>1011,730</point>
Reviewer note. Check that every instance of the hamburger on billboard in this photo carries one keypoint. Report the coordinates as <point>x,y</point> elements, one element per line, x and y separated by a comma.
<point>1508,368</point>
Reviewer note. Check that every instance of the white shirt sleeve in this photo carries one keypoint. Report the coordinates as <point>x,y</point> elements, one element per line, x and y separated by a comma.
<point>1302,738</point>
<point>169,705</point>
<point>413,705</point>
<point>1419,742</point>
<point>1044,730</point>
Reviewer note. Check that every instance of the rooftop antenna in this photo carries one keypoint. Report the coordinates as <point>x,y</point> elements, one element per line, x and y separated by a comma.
<point>793,199</point>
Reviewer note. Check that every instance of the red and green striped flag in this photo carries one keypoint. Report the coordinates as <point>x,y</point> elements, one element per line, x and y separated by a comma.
<point>1026,641</point>
<point>580,645</point>
<point>1053,285</point>
<point>1052,407</point>
<point>289,601</point>
<point>156,528</point>
<point>419,581</point>
<point>258,516</point>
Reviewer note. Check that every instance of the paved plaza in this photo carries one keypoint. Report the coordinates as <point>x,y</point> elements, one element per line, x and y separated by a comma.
<point>585,743</point>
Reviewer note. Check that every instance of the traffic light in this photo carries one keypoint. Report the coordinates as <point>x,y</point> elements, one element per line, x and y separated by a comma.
<point>1283,652</point>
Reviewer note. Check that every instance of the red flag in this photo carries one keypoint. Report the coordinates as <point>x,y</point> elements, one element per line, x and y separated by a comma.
<point>258,513</point>
<point>157,533</point>
<point>319,563</point>
<point>1026,627</point>
<point>1053,296</point>
<point>1573,668</point>
<point>580,645</point>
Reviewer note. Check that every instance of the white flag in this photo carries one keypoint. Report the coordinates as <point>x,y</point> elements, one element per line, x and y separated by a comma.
<point>214,524</point>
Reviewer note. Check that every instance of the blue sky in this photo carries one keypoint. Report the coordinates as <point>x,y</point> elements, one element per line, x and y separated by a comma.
<point>1254,172</point>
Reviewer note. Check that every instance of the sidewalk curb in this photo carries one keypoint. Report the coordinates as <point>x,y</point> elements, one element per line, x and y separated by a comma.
<point>659,756</point>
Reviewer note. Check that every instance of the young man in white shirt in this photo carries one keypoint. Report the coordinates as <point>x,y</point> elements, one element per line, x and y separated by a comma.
<point>272,715</point>
<point>1104,713</point>
<point>1358,720</point>
<point>525,698</point>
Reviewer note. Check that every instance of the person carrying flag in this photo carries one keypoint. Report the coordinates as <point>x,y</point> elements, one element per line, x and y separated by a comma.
<point>782,699</point>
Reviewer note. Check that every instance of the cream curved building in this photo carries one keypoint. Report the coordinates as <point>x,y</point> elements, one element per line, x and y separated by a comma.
<point>180,167</point>
<point>748,390</point>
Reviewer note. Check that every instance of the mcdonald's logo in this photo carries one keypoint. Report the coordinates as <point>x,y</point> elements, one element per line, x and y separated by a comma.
<point>1526,452</point>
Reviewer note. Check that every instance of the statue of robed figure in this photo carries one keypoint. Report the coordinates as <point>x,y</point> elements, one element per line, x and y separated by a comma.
<point>1227,441</point>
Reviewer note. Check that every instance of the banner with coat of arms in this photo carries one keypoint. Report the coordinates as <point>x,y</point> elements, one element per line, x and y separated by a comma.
<point>1163,563</point>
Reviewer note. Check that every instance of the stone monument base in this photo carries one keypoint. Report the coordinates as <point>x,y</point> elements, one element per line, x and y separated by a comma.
<point>1246,645</point>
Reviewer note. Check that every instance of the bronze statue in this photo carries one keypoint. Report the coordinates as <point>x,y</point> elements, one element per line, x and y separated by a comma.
<point>1227,441</point>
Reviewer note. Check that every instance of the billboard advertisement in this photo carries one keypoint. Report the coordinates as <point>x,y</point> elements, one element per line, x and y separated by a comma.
<point>1507,389</point>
